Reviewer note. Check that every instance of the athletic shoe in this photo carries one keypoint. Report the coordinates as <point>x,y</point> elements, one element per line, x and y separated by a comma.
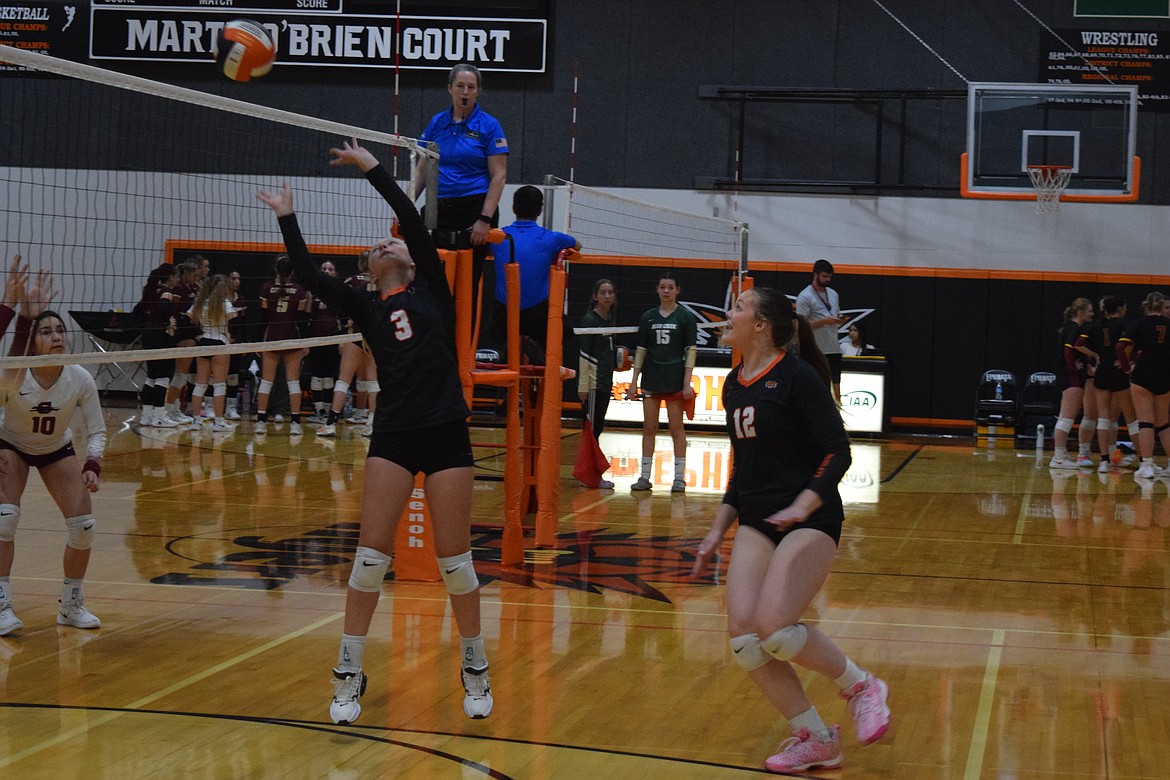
<point>477,699</point>
<point>1146,471</point>
<point>357,418</point>
<point>261,426</point>
<point>179,417</point>
<point>220,426</point>
<point>678,486</point>
<point>804,750</point>
<point>1062,463</point>
<point>9,622</point>
<point>327,430</point>
<point>73,613</point>
<point>146,420</point>
<point>1085,461</point>
<point>1104,466</point>
<point>642,484</point>
<point>1127,461</point>
<point>315,419</point>
<point>206,420</point>
<point>348,688</point>
<point>367,430</point>
<point>278,419</point>
<point>867,703</point>
<point>605,484</point>
<point>294,429</point>
<point>164,421</point>
<point>231,413</point>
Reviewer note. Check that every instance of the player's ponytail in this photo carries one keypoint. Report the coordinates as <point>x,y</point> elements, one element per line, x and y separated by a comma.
<point>790,331</point>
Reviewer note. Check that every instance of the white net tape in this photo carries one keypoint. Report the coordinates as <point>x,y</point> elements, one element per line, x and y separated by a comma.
<point>1050,181</point>
<point>134,355</point>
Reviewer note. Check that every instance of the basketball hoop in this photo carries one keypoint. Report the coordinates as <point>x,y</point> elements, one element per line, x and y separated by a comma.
<point>1050,181</point>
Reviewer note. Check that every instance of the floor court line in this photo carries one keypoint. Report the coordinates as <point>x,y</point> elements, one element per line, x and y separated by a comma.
<point>1025,506</point>
<point>191,680</point>
<point>982,722</point>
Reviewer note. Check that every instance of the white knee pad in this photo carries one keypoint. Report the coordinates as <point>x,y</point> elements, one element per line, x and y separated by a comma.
<point>459,574</point>
<point>200,390</point>
<point>1104,424</point>
<point>265,388</point>
<point>315,383</point>
<point>368,386</point>
<point>785,643</point>
<point>80,533</point>
<point>294,387</point>
<point>326,383</point>
<point>233,380</point>
<point>1064,424</point>
<point>219,389</point>
<point>179,379</point>
<point>341,387</point>
<point>749,653</point>
<point>1088,426</point>
<point>9,519</point>
<point>164,382</point>
<point>369,569</point>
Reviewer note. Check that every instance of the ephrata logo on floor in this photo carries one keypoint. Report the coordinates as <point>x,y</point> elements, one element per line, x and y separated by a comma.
<point>591,561</point>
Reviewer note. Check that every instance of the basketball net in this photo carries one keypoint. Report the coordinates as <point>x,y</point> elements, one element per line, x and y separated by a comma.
<point>1050,181</point>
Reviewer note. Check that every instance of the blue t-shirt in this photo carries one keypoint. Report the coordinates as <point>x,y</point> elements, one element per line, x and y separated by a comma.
<point>463,150</point>
<point>536,251</point>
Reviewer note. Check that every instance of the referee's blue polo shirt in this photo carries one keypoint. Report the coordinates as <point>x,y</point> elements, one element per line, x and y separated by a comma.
<point>536,251</point>
<point>463,150</point>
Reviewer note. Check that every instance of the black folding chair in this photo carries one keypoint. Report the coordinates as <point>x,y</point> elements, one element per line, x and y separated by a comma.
<point>112,331</point>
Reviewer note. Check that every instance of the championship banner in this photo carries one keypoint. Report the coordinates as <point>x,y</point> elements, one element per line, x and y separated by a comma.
<point>1127,58</point>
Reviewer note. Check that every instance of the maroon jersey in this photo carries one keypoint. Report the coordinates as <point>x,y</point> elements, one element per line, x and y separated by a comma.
<point>282,309</point>
<point>323,319</point>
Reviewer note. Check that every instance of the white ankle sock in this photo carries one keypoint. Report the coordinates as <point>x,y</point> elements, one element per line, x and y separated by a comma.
<point>647,465</point>
<point>473,653</point>
<point>349,655</point>
<point>852,675</point>
<point>810,719</point>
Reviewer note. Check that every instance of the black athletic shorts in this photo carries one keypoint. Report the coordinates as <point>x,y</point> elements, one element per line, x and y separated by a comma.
<point>1156,382</point>
<point>323,361</point>
<point>831,526</point>
<point>40,461</point>
<point>834,359</point>
<point>1111,379</point>
<point>429,450</point>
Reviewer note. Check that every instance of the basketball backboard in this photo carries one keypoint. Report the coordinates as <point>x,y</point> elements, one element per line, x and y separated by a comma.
<point>1090,128</point>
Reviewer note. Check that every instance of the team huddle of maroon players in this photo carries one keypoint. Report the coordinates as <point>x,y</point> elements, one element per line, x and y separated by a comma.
<point>282,310</point>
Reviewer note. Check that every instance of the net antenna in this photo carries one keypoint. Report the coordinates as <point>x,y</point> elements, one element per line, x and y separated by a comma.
<point>1050,182</point>
<point>104,174</point>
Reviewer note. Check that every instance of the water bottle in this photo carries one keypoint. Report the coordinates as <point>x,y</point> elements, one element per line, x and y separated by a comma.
<point>999,391</point>
<point>1040,436</point>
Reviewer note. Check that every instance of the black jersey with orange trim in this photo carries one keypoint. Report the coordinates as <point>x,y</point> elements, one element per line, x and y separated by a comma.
<point>410,331</point>
<point>786,436</point>
<point>1101,337</point>
<point>1150,337</point>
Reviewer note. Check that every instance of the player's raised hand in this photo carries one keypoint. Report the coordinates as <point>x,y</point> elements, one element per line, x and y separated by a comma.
<point>353,153</point>
<point>280,202</point>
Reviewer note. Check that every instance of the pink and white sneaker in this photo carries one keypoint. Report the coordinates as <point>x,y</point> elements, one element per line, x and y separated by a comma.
<point>805,750</point>
<point>867,703</point>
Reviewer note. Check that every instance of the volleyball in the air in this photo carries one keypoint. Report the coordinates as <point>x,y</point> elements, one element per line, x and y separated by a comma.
<point>624,362</point>
<point>244,50</point>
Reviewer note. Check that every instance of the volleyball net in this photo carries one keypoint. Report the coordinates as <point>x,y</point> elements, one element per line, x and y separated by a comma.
<point>107,175</point>
<point>627,235</point>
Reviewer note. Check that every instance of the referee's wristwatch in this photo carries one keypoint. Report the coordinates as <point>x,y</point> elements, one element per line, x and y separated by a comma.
<point>485,219</point>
